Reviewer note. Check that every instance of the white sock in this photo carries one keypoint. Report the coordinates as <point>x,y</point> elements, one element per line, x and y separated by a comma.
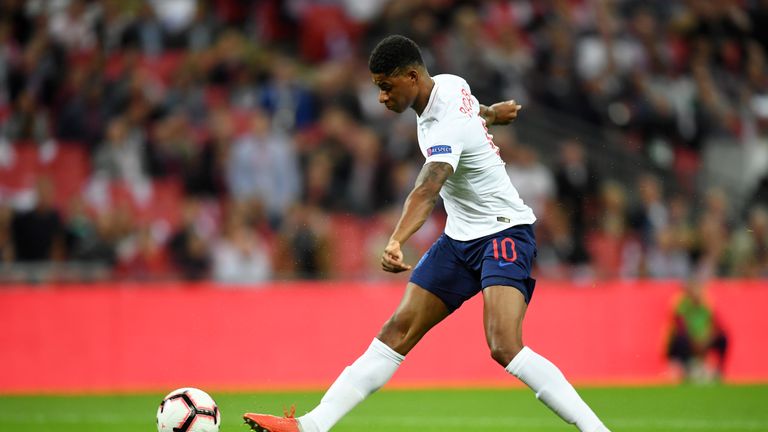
<point>554,390</point>
<point>363,377</point>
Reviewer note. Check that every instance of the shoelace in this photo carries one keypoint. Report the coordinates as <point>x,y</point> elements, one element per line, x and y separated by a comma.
<point>291,413</point>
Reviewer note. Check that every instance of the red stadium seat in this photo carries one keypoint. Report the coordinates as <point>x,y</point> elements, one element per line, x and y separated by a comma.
<point>321,23</point>
<point>20,174</point>
<point>349,246</point>
<point>166,202</point>
<point>68,170</point>
<point>686,165</point>
<point>165,65</point>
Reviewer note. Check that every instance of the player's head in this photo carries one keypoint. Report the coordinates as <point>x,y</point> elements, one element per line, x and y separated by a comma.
<point>694,289</point>
<point>396,67</point>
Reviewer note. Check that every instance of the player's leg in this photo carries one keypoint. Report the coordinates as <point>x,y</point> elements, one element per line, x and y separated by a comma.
<point>419,311</point>
<point>719,344</point>
<point>504,309</point>
<point>439,284</point>
<point>680,351</point>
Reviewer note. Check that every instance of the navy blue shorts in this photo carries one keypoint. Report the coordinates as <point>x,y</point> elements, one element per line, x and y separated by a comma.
<point>457,270</point>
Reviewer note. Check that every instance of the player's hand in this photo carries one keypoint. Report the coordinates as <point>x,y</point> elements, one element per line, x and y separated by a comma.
<point>505,112</point>
<point>392,258</point>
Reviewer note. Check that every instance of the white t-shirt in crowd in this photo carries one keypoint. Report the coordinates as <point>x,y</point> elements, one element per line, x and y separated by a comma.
<point>479,197</point>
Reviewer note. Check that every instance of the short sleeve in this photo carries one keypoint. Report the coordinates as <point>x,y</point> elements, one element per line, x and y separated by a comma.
<point>447,144</point>
<point>448,153</point>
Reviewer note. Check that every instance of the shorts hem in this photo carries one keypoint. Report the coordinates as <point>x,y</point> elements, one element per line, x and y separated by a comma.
<point>525,286</point>
<point>437,293</point>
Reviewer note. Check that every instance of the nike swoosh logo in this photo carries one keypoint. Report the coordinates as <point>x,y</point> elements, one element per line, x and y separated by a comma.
<point>505,263</point>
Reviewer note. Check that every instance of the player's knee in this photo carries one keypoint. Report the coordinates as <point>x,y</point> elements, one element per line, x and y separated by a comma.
<point>397,334</point>
<point>504,352</point>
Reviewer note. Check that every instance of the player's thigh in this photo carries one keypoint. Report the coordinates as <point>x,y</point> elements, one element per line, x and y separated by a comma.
<point>503,312</point>
<point>419,311</point>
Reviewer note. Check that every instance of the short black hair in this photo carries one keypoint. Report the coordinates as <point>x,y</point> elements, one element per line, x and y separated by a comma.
<point>392,53</point>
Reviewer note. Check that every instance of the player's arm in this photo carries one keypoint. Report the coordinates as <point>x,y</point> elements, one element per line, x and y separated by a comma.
<point>501,113</point>
<point>417,208</point>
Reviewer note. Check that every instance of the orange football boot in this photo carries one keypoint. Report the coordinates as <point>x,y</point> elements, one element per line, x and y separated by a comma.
<point>270,423</point>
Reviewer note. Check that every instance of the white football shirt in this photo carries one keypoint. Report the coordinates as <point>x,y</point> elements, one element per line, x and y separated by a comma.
<point>479,197</point>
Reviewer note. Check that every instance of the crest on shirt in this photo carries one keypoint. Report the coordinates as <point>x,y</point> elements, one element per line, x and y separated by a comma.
<point>438,149</point>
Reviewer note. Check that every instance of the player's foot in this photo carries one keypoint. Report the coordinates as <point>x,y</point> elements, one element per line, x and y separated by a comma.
<point>270,423</point>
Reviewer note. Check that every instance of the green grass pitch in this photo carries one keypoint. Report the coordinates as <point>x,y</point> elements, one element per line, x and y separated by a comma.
<point>670,408</point>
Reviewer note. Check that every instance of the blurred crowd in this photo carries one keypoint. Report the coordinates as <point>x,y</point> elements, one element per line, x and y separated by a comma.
<point>242,141</point>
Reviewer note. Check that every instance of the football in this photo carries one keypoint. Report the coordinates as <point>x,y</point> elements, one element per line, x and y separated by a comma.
<point>188,410</point>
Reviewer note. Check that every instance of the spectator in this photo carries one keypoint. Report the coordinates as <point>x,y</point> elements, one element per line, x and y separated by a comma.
<point>165,88</point>
<point>262,164</point>
<point>651,214</point>
<point>605,56</point>
<point>38,71</point>
<point>22,26</point>
<point>28,121</point>
<point>667,257</point>
<point>369,182</point>
<point>462,51</point>
<point>82,115</point>
<point>9,53</point>
<point>577,187</point>
<point>175,17</point>
<point>146,32</point>
<point>531,178</point>
<point>6,243</point>
<point>143,257</point>
<point>75,26</point>
<point>614,249</point>
<point>749,246</point>
<point>203,28</point>
<point>186,94</point>
<point>112,26</point>
<point>717,206</point>
<point>303,244</point>
<point>333,93</point>
<point>187,246</point>
<point>696,331</point>
<point>241,255</point>
<point>555,243</point>
<point>554,82</point>
<point>328,164</point>
<point>173,146</point>
<point>78,226</point>
<point>38,233</point>
<point>206,175</point>
<point>286,97</point>
<point>226,59</point>
<point>190,255</point>
<point>318,187</point>
<point>709,247</point>
<point>97,244</point>
<point>512,61</point>
<point>122,157</point>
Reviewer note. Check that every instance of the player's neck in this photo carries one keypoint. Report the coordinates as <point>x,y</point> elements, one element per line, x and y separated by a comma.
<point>425,91</point>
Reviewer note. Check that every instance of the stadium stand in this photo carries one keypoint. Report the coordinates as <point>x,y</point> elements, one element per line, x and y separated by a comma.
<point>132,109</point>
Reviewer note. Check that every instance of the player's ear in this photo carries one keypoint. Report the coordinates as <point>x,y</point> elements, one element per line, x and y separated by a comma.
<point>413,75</point>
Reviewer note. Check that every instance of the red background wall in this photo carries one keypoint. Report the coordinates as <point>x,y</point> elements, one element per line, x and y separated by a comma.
<point>155,337</point>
